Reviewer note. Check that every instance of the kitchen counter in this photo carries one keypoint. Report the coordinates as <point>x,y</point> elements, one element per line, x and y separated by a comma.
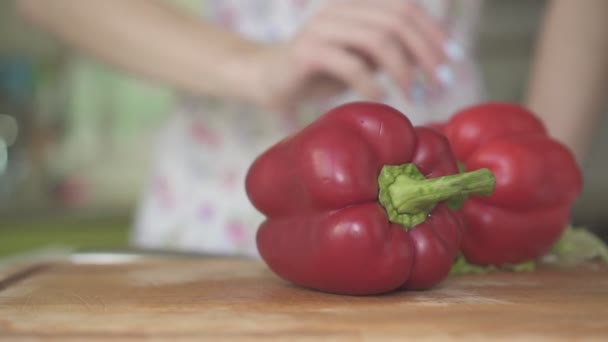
<point>237,299</point>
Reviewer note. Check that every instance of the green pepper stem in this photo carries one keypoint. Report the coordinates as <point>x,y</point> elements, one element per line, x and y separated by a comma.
<point>408,197</point>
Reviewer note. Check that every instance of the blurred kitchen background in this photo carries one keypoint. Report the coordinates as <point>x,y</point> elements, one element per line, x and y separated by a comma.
<point>75,135</point>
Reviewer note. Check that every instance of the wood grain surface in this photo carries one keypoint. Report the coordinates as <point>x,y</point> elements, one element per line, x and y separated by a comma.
<point>234,299</point>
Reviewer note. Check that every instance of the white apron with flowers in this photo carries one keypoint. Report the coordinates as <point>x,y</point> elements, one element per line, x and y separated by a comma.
<point>195,198</point>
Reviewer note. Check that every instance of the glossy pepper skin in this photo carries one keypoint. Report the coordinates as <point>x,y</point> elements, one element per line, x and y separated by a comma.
<point>537,182</point>
<point>319,190</point>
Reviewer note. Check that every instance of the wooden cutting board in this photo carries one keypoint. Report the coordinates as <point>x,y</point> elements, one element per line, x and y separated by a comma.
<point>234,299</point>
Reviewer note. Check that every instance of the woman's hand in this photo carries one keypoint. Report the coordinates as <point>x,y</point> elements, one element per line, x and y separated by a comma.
<point>344,45</point>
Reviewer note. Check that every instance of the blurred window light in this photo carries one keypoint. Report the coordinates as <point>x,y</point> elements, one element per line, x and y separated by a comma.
<point>3,156</point>
<point>9,129</point>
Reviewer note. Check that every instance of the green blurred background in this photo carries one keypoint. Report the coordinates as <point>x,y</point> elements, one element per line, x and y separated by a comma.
<point>75,136</point>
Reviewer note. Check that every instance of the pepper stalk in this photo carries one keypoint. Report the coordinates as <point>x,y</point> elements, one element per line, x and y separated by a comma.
<point>408,197</point>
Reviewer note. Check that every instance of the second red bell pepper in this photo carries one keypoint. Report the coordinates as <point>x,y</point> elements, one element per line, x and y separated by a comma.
<point>353,203</point>
<point>537,182</point>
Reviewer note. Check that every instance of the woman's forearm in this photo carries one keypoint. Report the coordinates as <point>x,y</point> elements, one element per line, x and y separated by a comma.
<point>569,77</point>
<point>148,38</point>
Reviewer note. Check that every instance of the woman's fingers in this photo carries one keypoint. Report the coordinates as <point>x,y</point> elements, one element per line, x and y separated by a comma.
<point>374,45</point>
<point>349,42</point>
<point>314,59</point>
<point>400,23</point>
<point>428,42</point>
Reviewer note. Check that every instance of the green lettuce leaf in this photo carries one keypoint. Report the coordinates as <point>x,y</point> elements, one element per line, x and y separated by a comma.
<point>576,246</point>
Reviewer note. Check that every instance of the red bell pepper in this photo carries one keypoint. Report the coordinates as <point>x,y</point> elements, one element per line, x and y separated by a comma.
<point>348,209</point>
<point>537,182</point>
